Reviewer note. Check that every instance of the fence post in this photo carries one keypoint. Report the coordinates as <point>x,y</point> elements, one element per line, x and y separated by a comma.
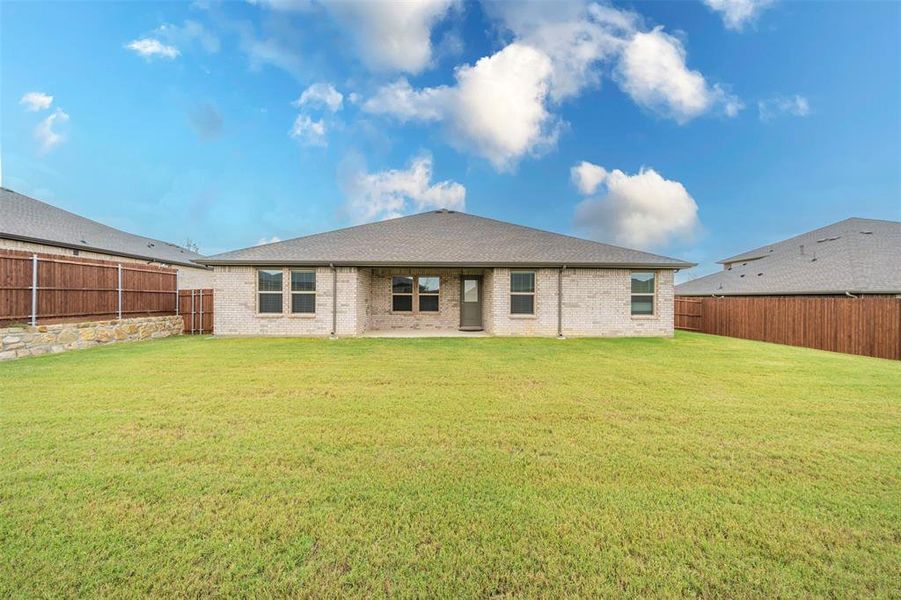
<point>119,291</point>
<point>192,311</point>
<point>34,289</point>
<point>200,292</point>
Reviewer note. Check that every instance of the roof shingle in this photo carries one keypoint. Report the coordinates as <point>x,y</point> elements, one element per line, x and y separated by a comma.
<point>443,237</point>
<point>24,218</point>
<point>854,255</point>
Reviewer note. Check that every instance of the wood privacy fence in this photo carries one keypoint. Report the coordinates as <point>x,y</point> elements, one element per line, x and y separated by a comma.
<point>47,288</point>
<point>868,325</point>
<point>196,306</point>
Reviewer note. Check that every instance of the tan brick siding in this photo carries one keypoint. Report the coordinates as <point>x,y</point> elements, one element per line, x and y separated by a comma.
<point>448,315</point>
<point>235,302</point>
<point>363,299</point>
<point>188,277</point>
<point>596,302</point>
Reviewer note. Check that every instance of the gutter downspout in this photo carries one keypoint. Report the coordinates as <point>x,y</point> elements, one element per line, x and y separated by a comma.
<point>560,302</point>
<point>334,301</point>
<point>850,295</point>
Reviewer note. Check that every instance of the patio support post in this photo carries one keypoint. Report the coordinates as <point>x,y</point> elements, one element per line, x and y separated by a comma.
<point>34,289</point>
<point>334,300</point>
<point>560,301</point>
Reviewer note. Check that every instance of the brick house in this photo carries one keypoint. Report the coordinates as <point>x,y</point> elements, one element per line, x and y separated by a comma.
<point>442,271</point>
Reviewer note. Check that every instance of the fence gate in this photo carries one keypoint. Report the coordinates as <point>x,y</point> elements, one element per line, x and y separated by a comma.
<point>196,307</point>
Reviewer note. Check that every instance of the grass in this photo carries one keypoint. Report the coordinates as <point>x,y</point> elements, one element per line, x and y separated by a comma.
<point>694,466</point>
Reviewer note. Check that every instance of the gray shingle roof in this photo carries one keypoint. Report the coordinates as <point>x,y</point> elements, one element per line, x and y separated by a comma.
<point>24,218</point>
<point>442,237</point>
<point>854,255</point>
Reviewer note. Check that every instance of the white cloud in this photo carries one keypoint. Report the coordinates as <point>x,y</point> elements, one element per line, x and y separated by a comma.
<point>150,47</point>
<point>496,109</point>
<point>285,5</point>
<point>577,37</point>
<point>796,106</point>
<point>263,241</point>
<point>404,103</point>
<point>321,94</point>
<point>35,101</point>
<point>587,177</point>
<point>653,72</point>
<point>738,13</point>
<point>643,210</point>
<point>502,108</point>
<point>191,31</point>
<point>393,193</point>
<point>392,37</point>
<point>308,132</point>
<point>48,138</point>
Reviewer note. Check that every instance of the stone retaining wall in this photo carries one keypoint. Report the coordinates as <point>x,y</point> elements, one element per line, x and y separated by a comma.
<point>18,342</point>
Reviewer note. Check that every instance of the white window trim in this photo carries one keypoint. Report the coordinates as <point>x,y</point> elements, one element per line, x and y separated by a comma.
<point>313,293</point>
<point>652,294</point>
<point>436,293</point>
<point>411,294</point>
<point>258,292</point>
<point>532,293</point>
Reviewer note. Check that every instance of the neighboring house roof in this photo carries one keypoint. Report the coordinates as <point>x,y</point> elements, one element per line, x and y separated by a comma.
<point>443,238</point>
<point>854,255</point>
<point>26,219</point>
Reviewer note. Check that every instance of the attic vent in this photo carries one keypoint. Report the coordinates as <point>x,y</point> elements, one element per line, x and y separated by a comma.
<point>83,242</point>
<point>828,239</point>
<point>742,275</point>
<point>150,245</point>
<point>759,274</point>
<point>867,232</point>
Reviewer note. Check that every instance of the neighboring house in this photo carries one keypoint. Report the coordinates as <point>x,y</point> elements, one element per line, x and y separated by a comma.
<point>34,226</point>
<point>442,271</point>
<point>854,256</point>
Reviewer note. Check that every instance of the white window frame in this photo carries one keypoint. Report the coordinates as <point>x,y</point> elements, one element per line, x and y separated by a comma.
<point>411,295</point>
<point>259,292</point>
<point>532,293</point>
<point>303,292</point>
<point>419,293</point>
<point>652,294</point>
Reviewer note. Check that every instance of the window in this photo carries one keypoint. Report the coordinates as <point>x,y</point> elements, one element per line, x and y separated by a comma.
<point>643,293</point>
<point>470,290</point>
<point>522,293</point>
<point>303,292</point>
<point>269,290</point>
<point>428,289</point>
<point>402,294</point>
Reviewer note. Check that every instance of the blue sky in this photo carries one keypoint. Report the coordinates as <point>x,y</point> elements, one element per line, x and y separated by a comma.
<point>694,129</point>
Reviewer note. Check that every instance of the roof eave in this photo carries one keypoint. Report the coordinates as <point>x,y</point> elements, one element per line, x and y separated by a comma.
<point>442,264</point>
<point>86,248</point>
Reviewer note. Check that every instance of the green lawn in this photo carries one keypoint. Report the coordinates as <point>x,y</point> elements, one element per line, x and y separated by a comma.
<point>694,466</point>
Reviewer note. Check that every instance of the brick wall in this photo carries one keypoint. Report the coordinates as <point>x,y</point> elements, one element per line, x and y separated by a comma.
<point>596,303</point>
<point>448,315</point>
<point>363,299</point>
<point>235,302</point>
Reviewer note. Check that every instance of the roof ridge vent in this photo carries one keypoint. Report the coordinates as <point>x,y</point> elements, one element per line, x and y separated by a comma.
<point>444,211</point>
